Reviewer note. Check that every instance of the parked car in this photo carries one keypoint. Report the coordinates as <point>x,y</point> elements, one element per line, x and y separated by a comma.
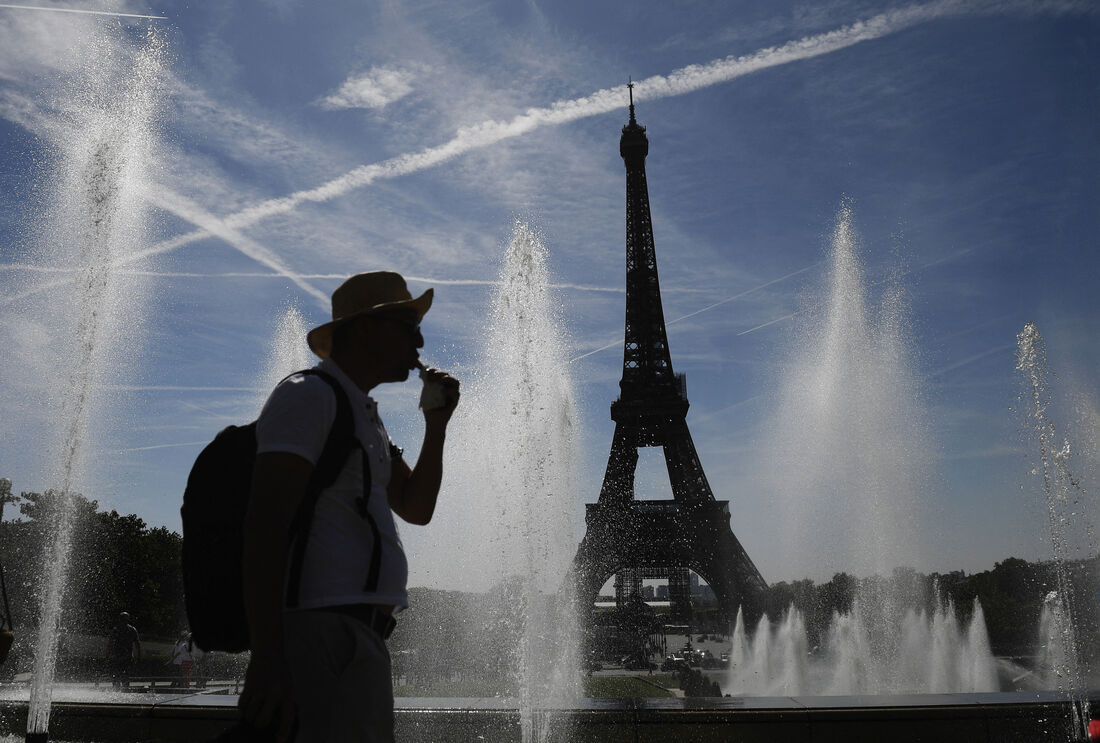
<point>674,662</point>
<point>592,664</point>
<point>636,663</point>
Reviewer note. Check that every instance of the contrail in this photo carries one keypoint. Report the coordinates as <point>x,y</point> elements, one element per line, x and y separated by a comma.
<point>613,344</point>
<point>970,360</point>
<point>164,446</point>
<point>795,314</point>
<point>770,322</point>
<point>183,207</point>
<point>176,388</point>
<point>84,12</point>
<point>305,276</point>
<point>684,80</point>
<point>745,293</point>
<point>679,82</point>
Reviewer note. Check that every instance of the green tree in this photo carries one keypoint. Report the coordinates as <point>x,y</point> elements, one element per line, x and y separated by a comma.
<point>118,563</point>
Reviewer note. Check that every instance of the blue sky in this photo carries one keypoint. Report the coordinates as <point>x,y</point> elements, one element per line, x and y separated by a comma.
<point>290,144</point>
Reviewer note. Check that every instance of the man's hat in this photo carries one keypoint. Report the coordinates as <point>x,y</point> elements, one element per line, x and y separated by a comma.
<point>364,294</point>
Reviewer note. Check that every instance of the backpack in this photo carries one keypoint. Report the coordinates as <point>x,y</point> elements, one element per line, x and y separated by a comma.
<point>214,506</point>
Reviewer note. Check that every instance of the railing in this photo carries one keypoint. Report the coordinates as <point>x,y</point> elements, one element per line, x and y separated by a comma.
<point>143,684</point>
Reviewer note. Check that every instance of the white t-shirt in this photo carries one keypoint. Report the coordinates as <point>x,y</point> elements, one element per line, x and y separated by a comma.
<point>182,652</point>
<point>296,419</point>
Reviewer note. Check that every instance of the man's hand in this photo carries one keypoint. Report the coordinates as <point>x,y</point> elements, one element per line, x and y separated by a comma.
<point>413,492</point>
<point>267,702</point>
<point>449,386</point>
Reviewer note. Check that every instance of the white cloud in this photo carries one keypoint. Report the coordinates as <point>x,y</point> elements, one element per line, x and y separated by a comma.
<point>376,88</point>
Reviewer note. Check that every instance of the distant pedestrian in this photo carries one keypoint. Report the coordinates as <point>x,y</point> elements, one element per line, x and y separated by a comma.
<point>198,656</point>
<point>183,656</point>
<point>123,647</point>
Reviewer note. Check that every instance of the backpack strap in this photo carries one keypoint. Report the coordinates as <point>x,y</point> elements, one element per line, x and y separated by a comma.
<point>340,443</point>
<point>375,567</point>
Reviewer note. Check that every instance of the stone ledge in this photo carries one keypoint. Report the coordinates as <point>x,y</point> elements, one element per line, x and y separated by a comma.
<point>943,718</point>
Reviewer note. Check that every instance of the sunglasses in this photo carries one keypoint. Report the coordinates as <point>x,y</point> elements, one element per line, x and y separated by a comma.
<point>406,322</point>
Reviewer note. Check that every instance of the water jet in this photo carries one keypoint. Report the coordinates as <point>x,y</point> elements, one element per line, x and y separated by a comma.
<point>103,151</point>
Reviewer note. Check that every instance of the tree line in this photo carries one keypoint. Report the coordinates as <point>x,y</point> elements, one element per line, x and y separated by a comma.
<point>118,563</point>
<point>1011,595</point>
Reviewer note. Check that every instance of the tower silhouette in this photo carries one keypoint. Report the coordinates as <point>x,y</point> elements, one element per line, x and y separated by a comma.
<point>637,539</point>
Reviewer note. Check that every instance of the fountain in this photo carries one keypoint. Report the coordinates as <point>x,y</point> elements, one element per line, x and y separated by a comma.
<point>289,352</point>
<point>849,447</point>
<point>935,654</point>
<point>102,150</point>
<point>507,501</point>
<point>849,450</point>
<point>850,444</point>
<point>1063,491</point>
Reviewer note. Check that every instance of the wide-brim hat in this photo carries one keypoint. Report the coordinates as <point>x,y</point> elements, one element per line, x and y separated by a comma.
<point>365,294</point>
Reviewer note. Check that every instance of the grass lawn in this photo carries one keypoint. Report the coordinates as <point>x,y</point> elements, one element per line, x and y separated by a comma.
<point>599,687</point>
<point>667,680</point>
<point>471,688</point>
<point>618,687</point>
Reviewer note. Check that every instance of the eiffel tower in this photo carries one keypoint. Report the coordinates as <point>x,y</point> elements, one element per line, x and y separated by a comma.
<point>637,539</point>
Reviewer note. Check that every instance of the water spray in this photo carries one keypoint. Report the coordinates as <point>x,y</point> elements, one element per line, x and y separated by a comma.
<point>97,218</point>
<point>1060,487</point>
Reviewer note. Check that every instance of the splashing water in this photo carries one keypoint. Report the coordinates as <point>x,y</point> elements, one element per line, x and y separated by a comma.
<point>849,443</point>
<point>1062,490</point>
<point>935,655</point>
<point>104,150</point>
<point>849,439</point>
<point>509,493</point>
<point>850,449</point>
<point>289,352</point>
<point>1055,658</point>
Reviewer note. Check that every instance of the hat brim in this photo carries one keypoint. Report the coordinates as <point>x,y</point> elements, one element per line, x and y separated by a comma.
<point>320,338</point>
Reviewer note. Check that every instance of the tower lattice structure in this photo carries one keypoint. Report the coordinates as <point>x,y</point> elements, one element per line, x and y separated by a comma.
<point>636,539</point>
